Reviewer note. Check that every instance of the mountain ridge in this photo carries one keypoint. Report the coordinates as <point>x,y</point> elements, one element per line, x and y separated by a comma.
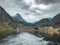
<point>5,17</point>
<point>55,21</point>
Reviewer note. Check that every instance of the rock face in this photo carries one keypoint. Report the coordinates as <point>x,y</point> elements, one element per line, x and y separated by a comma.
<point>5,17</point>
<point>19,19</point>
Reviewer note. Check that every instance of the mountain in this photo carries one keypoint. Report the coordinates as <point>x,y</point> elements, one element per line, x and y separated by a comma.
<point>43,22</point>
<point>19,19</point>
<point>55,20</point>
<point>5,17</point>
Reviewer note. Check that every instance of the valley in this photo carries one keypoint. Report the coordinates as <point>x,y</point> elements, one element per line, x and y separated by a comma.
<point>47,28</point>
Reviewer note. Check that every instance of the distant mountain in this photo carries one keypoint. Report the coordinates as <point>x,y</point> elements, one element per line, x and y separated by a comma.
<point>55,21</point>
<point>43,22</point>
<point>5,17</point>
<point>19,19</point>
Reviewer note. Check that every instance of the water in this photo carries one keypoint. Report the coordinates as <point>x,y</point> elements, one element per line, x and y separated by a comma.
<point>23,39</point>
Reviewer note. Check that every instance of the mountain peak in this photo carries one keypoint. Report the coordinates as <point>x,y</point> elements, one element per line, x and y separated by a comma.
<point>19,18</point>
<point>18,15</point>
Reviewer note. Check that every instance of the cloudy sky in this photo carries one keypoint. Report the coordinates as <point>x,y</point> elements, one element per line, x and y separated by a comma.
<point>32,10</point>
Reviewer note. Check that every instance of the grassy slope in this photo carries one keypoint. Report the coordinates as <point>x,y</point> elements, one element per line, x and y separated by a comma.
<point>6,30</point>
<point>5,27</point>
<point>49,30</point>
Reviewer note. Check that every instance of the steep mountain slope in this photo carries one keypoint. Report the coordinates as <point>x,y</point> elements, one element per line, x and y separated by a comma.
<point>55,20</point>
<point>5,17</point>
<point>7,24</point>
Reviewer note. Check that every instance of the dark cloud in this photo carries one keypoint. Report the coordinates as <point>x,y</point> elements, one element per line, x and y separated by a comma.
<point>15,3</point>
<point>22,4</point>
<point>46,1</point>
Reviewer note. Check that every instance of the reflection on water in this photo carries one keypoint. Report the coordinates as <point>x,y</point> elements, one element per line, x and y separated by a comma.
<point>24,39</point>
